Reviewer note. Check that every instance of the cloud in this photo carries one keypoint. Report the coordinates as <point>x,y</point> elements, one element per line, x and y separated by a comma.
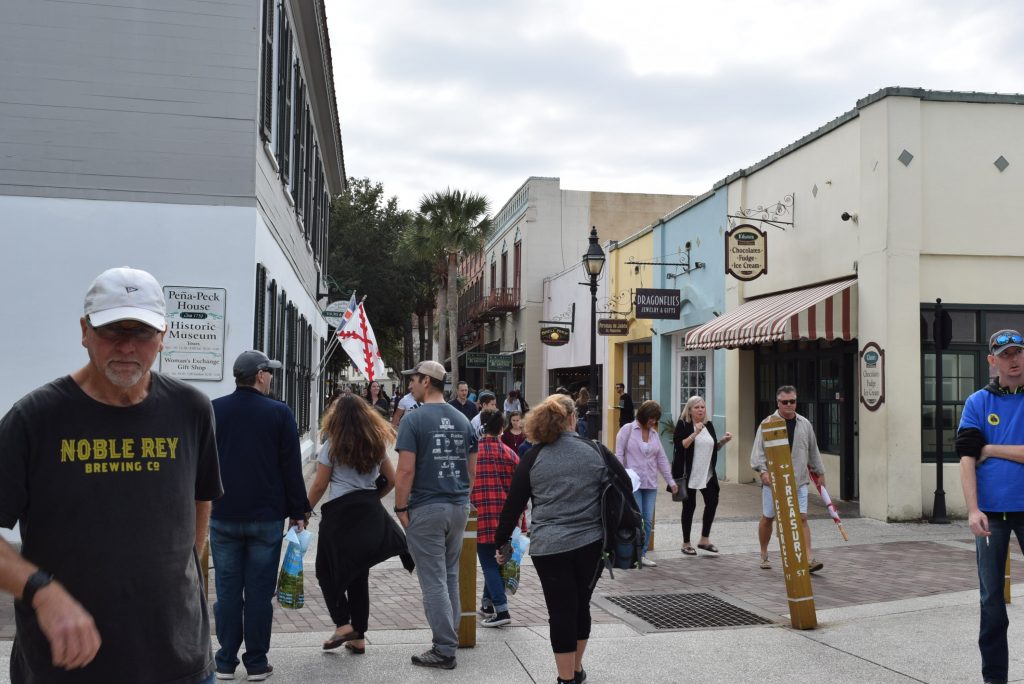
<point>662,97</point>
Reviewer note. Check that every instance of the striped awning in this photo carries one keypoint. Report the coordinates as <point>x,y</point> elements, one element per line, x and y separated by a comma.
<point>822,312</point>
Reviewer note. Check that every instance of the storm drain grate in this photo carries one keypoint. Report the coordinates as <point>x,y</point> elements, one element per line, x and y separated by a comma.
<point>686,611</point>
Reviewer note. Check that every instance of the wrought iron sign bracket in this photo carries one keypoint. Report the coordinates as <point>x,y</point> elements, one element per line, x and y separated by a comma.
<point>684,262</point>
<point>560,319</point>
<point>773,214</point>
<point>613,302</point>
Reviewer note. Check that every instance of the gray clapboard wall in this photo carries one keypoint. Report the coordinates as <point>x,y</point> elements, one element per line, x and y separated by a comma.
<point>138,100</point>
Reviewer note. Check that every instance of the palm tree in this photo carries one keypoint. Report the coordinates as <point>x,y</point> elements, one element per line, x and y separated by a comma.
<point>459,224</point>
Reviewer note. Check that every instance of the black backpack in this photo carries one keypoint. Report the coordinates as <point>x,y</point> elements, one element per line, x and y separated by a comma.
<point>621,520</point>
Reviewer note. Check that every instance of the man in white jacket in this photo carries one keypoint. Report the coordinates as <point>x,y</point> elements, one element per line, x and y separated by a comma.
<point>804,446</point>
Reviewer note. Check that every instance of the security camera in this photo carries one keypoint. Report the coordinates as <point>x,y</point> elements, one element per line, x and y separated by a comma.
<point>847,216</point>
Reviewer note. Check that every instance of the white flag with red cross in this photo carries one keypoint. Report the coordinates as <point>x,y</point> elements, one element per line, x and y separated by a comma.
<point>359,342</point>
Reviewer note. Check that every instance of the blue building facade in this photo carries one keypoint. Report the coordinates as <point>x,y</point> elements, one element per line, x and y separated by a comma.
<point>699,225</point>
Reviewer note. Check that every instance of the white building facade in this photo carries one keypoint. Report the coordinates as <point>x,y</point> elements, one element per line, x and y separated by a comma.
<point>206,154</point>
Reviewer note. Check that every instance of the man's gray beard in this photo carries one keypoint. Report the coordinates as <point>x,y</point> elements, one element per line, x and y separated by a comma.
<point>120,380</point>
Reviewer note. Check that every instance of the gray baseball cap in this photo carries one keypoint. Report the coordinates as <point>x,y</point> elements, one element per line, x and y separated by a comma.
<point>250,362</point>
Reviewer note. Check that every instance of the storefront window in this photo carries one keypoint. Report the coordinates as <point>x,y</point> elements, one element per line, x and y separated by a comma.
<point>694,370</point>
<point>965,368</point>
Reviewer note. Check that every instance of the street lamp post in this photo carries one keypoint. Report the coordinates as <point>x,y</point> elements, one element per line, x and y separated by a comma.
<point>593,263</point>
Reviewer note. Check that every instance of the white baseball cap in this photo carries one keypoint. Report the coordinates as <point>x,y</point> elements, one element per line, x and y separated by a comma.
<point>126,294</point>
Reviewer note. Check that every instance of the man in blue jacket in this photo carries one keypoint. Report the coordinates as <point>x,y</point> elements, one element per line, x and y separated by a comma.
<point>990,442</point>
<point>261,468</point>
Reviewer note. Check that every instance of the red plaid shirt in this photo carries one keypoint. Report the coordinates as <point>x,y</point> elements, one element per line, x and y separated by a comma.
<point>495,464</point>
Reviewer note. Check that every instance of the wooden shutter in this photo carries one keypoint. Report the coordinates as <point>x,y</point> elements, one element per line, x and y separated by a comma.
<point>284,109</point>
<point>299,147</point>
<point>267,71</point>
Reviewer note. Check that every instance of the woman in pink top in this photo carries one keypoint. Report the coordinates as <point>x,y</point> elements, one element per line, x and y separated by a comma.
<point>639,448</point>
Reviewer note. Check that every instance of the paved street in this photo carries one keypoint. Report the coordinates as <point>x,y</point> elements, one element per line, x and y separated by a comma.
<point>895,604</point>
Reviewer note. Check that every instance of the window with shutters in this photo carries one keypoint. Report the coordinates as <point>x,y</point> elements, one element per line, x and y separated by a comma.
<point>260,313</point>
<point>267,72</point>
<point>299,140</point>
<point>284,98</point>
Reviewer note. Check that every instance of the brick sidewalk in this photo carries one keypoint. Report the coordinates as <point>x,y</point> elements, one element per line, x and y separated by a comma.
<point>867,573</point>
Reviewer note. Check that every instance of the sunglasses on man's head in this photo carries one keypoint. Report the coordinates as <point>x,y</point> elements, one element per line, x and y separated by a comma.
<point>1007,339</point>
<point>787,402</point>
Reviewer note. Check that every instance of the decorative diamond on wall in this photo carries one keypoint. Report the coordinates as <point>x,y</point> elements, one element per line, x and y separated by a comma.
<point>1001,163</point>
<point>905,158</point>
<point>814,190</point>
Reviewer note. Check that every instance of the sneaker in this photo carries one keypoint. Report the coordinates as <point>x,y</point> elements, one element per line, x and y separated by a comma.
<point>225,675</point>
<point>486,611</point>
<point>815,565</point>
<point>499,620</point>
<point>432,658</point>
<point>260,676</point>
<point>648,563</point>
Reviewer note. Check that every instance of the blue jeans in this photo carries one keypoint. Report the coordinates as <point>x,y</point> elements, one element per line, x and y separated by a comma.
<point>991,571</point>
<point>494,586</point>
<point>645,499</point>
<point>245,558</point>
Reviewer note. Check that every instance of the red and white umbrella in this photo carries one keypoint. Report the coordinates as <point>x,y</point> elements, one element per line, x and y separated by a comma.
<point>828,504</point>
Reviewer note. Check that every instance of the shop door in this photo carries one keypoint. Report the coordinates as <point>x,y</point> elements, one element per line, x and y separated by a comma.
<point>638,372</point>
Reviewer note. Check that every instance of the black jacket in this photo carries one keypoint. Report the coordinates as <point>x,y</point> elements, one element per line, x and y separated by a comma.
<point>356,533</point>
<point>682,457</point>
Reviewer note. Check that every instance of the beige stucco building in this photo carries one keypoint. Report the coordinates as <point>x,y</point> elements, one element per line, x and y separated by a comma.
<point>911,196</point>
<point>541,230</point>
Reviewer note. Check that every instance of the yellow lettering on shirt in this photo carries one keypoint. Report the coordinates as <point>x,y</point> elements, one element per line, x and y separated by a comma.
<point>148,447</point>
<point>112,455</point>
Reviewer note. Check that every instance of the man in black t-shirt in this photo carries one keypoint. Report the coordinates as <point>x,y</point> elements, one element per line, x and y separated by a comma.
<point>626,415</point>
<point>462,403</point>
<point>110,471</point>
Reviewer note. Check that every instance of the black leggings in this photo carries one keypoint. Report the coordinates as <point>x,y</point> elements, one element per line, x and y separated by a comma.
<point>568,582</point>
<point>349,604</point>
<point>710,494</point>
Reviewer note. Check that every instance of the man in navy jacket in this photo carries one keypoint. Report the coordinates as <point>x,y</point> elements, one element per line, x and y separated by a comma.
<point>261,469</point>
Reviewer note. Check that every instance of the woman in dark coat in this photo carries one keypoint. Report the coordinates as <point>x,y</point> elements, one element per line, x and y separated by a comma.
<point>696,453</point>
<point>375,397</point>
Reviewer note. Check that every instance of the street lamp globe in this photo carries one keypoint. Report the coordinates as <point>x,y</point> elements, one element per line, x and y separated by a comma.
<point>593,260</point>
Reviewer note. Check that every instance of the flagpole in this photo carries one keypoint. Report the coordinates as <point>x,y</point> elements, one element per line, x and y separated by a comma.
<point>332,346</point>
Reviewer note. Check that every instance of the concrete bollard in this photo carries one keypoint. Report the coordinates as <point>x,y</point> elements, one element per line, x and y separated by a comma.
<point>788,524</point>
<point>1006,580</point>
<point>467,583</point>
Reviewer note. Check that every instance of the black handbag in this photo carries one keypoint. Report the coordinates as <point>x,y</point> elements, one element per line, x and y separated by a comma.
<point>682,493</point>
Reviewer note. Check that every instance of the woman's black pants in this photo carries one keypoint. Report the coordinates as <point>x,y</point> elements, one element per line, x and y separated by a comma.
<point>710,494</point>
<point>568,581</point>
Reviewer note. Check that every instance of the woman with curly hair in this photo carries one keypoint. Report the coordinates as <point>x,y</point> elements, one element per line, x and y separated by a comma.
<point>562,474</point>
<point>356,531</point>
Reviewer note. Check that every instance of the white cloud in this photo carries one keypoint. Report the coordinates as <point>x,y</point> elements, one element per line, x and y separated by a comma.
<point>650,96</point>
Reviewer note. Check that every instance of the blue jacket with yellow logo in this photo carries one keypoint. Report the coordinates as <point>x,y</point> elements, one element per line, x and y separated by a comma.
<point>994,416</point>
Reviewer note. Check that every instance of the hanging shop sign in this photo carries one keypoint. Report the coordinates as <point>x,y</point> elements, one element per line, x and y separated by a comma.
<point>554,335</point>
<point>656,303</point>
<point>613,326</point>
<point>746,252</point>
<point>476,360</point>
<point>499,363</point>
<point>194,343</point>
<point>872,376</point>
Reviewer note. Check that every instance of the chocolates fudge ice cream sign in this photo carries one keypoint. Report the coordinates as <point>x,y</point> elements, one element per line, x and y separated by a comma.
<point>653,303</point>
<point>746,252</point>
<point>194,343</point>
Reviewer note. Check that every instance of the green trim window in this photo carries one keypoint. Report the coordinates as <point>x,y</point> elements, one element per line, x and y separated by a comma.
<point>965,368</point>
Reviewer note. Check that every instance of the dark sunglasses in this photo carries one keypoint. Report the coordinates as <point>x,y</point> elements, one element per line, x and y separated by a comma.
<point>1007,339</point>
<point>114,333</point>
<point>787,402</point>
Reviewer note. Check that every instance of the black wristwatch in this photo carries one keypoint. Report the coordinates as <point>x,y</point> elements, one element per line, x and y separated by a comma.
<point>36,581</point>
<point>403,509</point>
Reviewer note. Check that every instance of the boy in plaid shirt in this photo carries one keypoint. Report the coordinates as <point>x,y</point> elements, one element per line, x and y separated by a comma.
<point>494,467</point>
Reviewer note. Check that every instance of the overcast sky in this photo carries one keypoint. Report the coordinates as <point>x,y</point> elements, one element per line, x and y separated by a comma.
<point>639,96</point>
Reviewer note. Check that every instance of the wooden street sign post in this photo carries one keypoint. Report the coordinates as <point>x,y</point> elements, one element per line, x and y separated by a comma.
<point>788,523</point>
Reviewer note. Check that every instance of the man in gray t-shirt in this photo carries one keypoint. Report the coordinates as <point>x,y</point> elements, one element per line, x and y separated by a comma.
<point>436,465</point>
